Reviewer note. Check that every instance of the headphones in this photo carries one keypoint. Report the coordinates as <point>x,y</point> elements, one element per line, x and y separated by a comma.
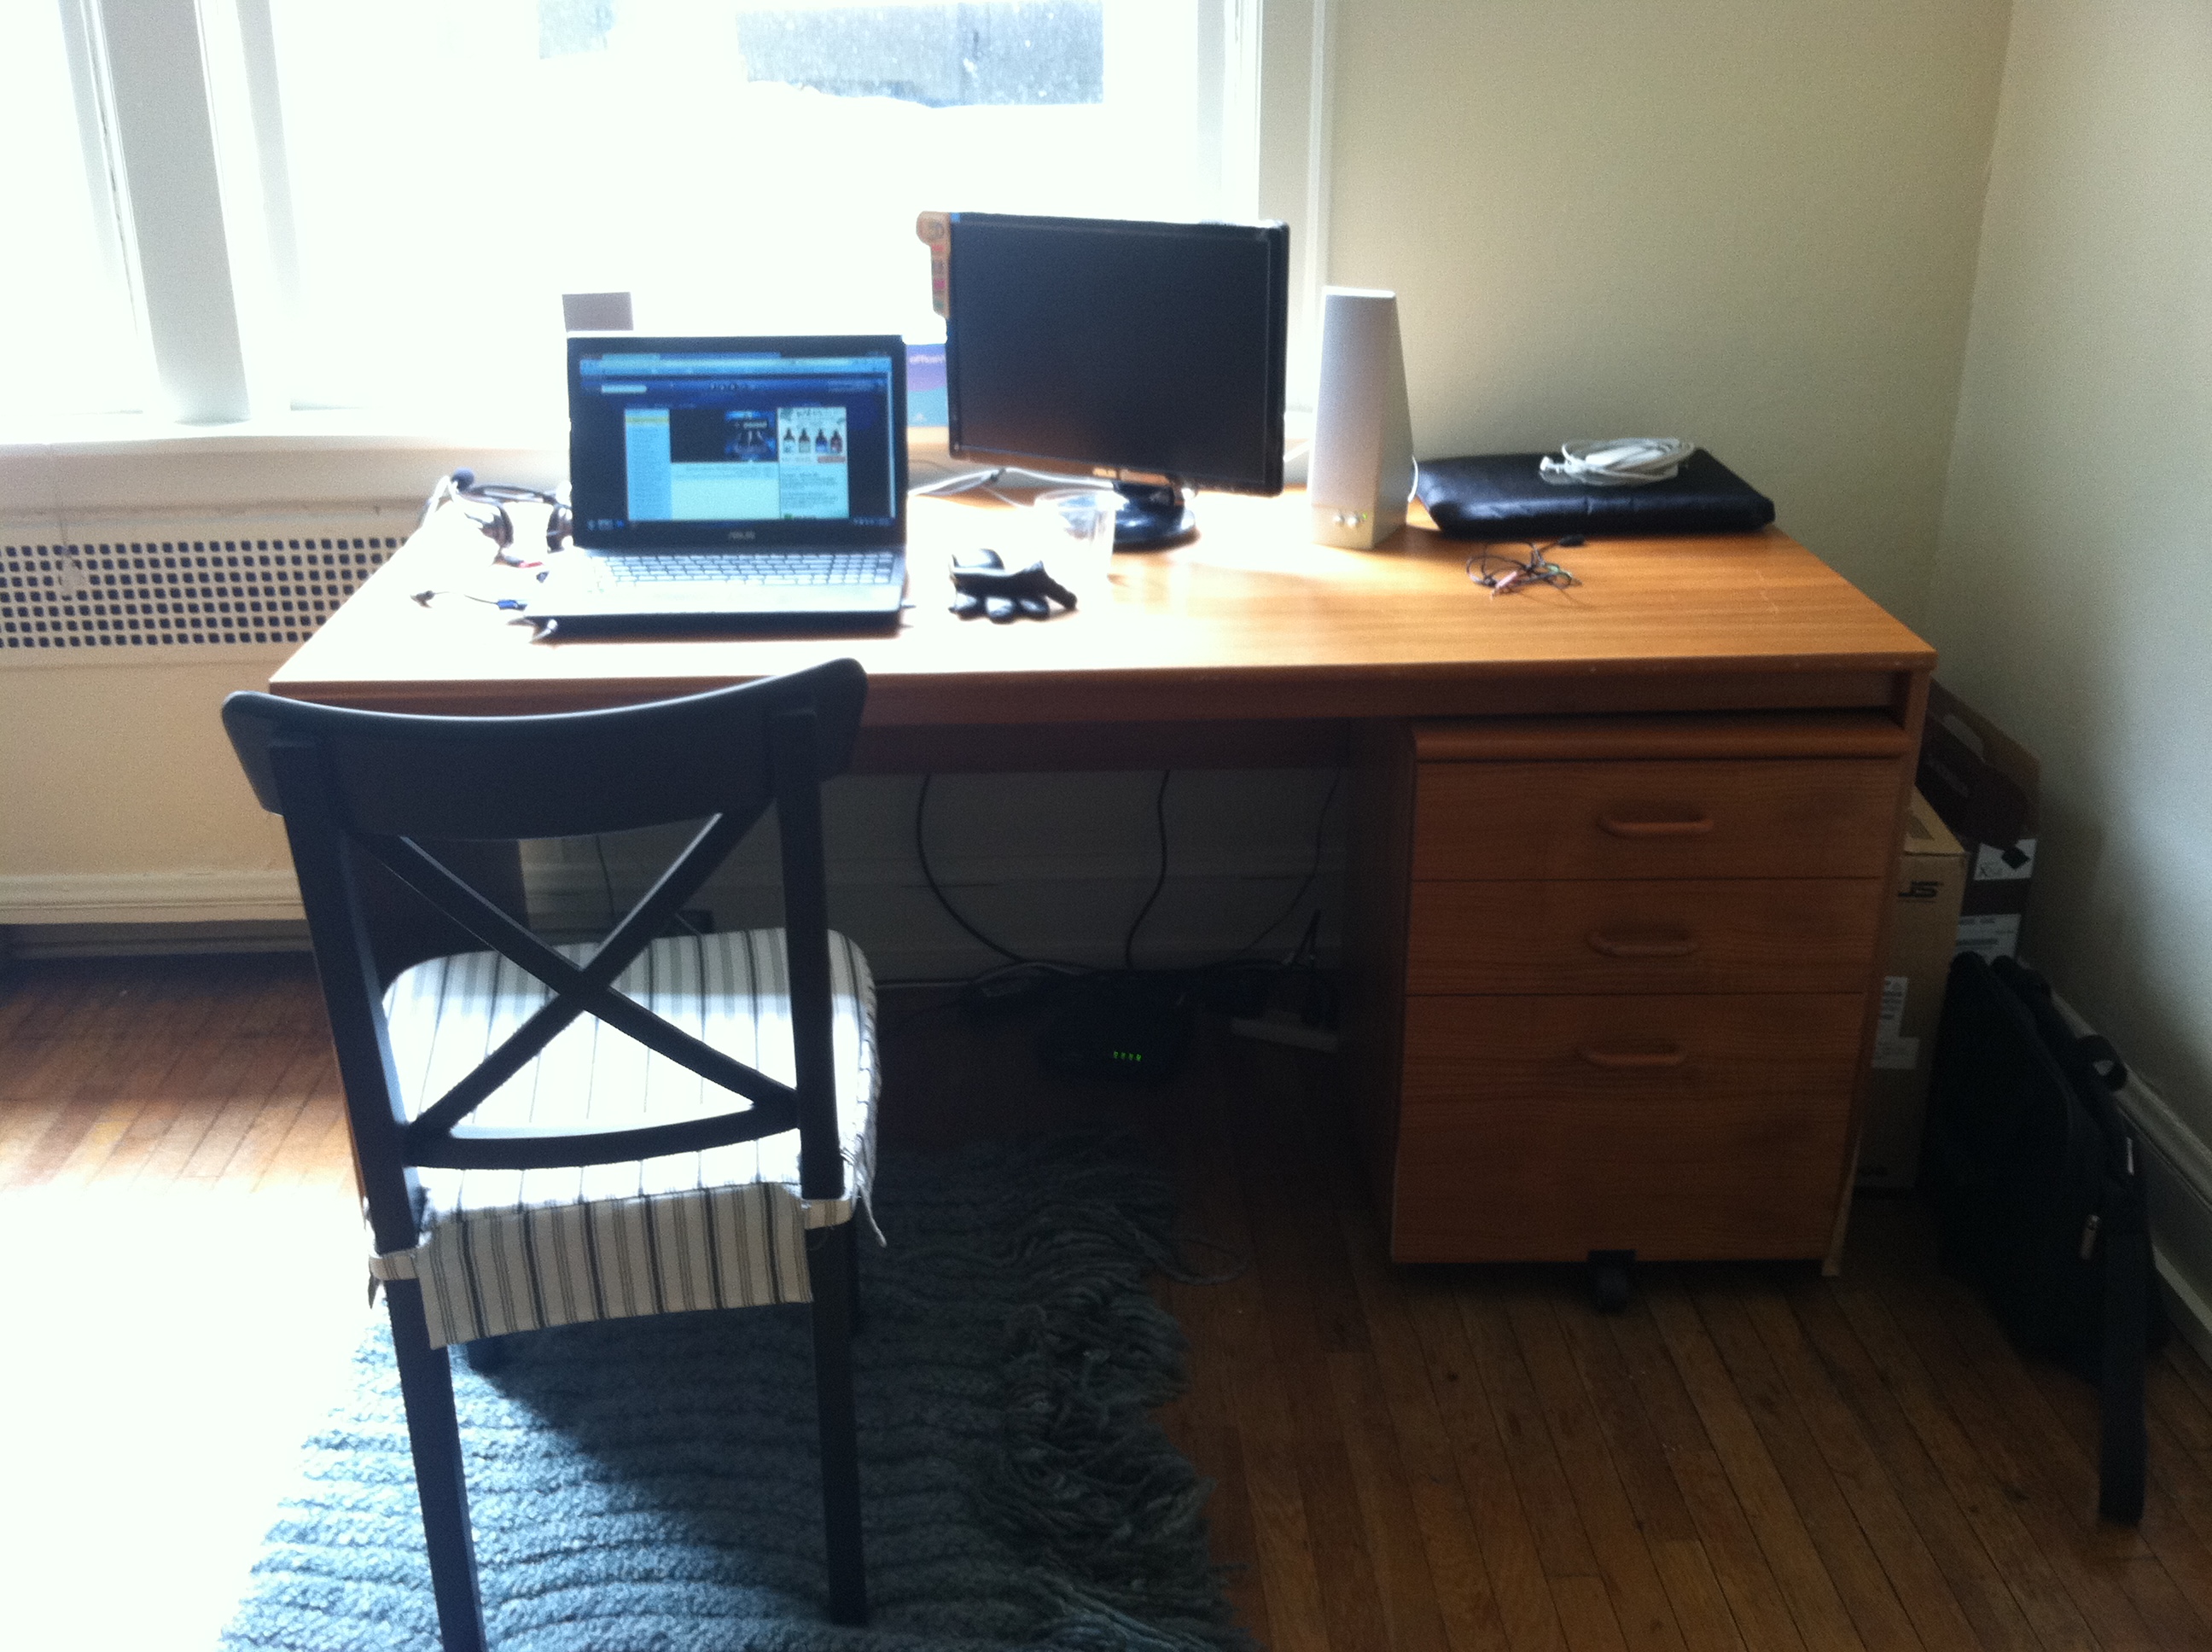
<point>485,503</point>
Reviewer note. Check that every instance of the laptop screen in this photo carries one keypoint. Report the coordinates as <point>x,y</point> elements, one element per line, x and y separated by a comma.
<point>737,442</point>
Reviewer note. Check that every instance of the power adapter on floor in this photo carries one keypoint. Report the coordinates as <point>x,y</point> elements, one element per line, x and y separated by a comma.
<point>1280,1026</point>
<point>1124,1028</point>
<point>1309,1021</point>
<point>1017,986</point>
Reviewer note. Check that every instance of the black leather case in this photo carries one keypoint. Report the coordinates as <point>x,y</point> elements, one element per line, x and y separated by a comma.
<point>1500,496</point>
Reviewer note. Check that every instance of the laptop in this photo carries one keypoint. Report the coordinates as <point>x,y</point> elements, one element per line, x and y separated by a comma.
<point>731,484</point>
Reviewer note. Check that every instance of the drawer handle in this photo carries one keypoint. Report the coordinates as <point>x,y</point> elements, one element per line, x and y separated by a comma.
<point>1634,1055</point>
<point>1655,945</point>
<point>1680,826</point>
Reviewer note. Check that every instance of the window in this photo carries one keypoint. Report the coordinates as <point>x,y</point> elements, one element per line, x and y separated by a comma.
<point>405,190</point>
<point>738,167</point>
<point>72,341</point>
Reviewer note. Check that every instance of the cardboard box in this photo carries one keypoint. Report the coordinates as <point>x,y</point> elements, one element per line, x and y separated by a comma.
<point>1931,880</point>
<point>1983,784</point>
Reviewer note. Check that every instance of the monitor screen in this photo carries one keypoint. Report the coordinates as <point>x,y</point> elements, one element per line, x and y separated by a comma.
<point>664,434</point>
<point>1120,344</point>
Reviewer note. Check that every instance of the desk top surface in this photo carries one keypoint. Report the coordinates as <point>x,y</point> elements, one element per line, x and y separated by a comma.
<point>1250,620</point>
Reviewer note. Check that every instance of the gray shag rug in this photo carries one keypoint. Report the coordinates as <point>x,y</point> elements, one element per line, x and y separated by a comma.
<point>652,1484</point>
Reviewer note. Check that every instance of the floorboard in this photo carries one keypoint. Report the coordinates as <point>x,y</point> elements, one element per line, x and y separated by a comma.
<point>1747,1459</point>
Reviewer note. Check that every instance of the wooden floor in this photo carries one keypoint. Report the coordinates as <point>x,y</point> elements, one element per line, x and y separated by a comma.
<point>1747,1457</point>
<point>182,1290</point>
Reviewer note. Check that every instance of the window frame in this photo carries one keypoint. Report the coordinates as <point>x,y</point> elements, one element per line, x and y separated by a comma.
<point>192,150</point>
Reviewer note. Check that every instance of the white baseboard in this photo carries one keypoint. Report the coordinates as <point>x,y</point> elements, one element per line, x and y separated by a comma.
<point>34,942</point>
<point>2178,1183</point>
<point>554,879</point>
<point>164,898</point>
<point>2188,1313</point>
<point>1073,909</point>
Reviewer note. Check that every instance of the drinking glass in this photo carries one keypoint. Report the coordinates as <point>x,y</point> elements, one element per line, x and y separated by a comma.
<point>1075,537</point>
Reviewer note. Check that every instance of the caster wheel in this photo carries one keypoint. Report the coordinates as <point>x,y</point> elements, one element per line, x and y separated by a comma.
<point>1609,1278</point>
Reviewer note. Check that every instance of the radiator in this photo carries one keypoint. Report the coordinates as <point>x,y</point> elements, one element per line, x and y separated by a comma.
<point>224,583</point>
<point>126,825</point>
<point>120,803</point>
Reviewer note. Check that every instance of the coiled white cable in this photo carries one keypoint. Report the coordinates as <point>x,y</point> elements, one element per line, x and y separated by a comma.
<point>1619,462</point>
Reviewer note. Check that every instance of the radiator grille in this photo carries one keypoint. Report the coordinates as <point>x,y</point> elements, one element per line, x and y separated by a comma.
<point>181,593</point>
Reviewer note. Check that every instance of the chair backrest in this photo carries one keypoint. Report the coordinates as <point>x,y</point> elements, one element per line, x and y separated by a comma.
<point>363,792</point>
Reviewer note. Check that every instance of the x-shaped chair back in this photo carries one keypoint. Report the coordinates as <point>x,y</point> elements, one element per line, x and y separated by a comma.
<point>361,788</point>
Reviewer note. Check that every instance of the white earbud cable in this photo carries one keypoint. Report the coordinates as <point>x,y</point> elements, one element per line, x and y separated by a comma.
<point>1618,462</point>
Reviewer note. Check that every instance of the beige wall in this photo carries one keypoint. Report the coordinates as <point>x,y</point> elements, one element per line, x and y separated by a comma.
<point>1750,222</point>
<point>123,800</point>
<point>2073,598</point>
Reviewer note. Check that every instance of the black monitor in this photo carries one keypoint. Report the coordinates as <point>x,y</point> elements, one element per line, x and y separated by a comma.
<point>1153,350</point>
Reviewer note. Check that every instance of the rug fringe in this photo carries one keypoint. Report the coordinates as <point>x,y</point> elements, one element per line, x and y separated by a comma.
<point>1085,1473</point>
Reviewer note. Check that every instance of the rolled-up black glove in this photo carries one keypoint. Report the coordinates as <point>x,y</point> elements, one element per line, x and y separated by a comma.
<point>1005,594</point>
<point>965,603</point>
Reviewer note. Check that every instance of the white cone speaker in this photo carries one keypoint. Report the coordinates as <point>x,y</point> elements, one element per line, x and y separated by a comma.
<point>1362,468</point>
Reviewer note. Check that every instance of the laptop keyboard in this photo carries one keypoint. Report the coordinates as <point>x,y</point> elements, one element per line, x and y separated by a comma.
<point>755,567</point>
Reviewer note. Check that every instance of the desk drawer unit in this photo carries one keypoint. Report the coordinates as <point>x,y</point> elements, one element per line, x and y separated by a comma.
<point>1512,821</point>
<point>1627,1003</point>
<point>1642,935</point>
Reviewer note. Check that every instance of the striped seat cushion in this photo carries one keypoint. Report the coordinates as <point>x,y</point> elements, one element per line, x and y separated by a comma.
<point>515,1250</point>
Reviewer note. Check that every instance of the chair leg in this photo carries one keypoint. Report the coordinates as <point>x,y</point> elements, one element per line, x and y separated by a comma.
<point>856,1311</point>
<point>829,1264</point>
<point>426,1383</point>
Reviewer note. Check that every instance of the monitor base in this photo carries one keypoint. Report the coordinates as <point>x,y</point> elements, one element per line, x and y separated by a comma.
<point>1152,517</point>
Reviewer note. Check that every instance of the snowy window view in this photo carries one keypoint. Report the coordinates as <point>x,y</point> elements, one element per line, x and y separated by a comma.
<point>739,166</point>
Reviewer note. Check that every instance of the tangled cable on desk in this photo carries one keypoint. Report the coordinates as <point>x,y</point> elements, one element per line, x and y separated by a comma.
<point>1492,567</point>
<point>512,604</point>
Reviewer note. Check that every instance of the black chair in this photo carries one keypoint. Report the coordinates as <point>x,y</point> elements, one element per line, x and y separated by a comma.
<point>566,1175</point>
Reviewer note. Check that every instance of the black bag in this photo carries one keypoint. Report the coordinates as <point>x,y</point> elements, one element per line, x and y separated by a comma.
<point>2032,1169</point>
<point>1501,496</point>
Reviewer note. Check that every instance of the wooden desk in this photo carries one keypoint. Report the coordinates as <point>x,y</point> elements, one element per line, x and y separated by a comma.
<point>1743,717</point>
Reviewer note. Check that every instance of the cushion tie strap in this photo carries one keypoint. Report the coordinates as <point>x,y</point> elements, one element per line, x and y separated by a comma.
<point>389,1264</point>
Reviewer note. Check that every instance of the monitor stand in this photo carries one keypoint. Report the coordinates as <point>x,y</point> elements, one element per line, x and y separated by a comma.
<point>1152,517</point>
